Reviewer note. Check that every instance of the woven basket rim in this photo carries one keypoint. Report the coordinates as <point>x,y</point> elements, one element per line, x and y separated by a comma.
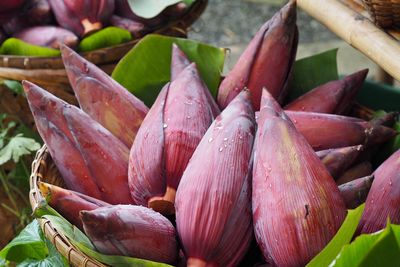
<point>74,256</point>
<point>384,12</point>
<point>180,24</point>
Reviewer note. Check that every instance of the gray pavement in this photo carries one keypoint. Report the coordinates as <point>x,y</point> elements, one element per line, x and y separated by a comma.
<point>232,24</point>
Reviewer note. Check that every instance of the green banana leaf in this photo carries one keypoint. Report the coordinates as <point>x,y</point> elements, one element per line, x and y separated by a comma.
<point>342,237</point>
<point>379,96</point>
<point>14,86</point>
<point>378,249</point>
<point>29,242</point>
<point>17,47</point>
<point>106,37</point>
<point>31,248</point>
<point>309,72</point>
<point>146,68</point>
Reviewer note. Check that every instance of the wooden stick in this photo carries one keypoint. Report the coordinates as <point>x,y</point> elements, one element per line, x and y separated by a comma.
<point>358,31</point>
<point>35,75</point>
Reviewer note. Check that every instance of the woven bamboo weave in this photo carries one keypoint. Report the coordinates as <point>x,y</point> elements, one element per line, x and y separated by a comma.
<point>385,13</point>
<point>43,169</point>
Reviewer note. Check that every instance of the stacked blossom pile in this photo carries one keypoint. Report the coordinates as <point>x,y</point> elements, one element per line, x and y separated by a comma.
<point>49,23</point>
<point>192,181</point>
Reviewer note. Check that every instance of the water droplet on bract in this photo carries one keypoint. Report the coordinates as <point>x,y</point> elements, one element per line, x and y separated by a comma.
<point>210,139</point>
<point>220,149</point>
<point>188,117</point>
<point>225,139</point>
<point>165,125</point>
<point>86,67</point>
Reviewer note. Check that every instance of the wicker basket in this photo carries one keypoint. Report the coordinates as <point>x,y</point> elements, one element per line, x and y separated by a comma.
<point>43,169</point>
<point>49,73</point>
<point>385,13</point>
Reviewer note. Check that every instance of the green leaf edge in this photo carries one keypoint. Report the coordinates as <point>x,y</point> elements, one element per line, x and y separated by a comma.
<point>342,237</point>
<point>119,73</point>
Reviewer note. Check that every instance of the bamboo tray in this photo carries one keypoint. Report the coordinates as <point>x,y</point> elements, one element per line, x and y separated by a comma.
<point>350,20</point>
<point>49,72</point>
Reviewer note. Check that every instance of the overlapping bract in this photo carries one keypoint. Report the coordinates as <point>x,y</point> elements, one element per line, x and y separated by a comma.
<point>50,36</point>
<point>82,16</point>
<point>359,170</point>
<point>297,207</point>
<point>80,147</point>
<point>266,62</point>
<point>69,203</point>
<point>338,160</point>
<point>355,192</point>
<point>335,97</point>
<point>105,100</point>
<point>383,200</point>
<point>324,131</point>
<point>32,13</point>
<point>167,138</point>
<point>179,62</point>
<point>215,226</point>
<point>133,231</point>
